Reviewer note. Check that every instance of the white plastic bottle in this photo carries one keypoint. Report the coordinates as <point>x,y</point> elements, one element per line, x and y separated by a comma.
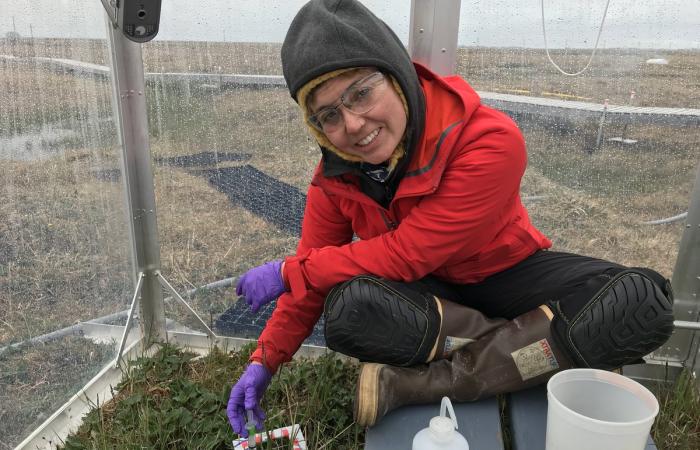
<point>441,434</point>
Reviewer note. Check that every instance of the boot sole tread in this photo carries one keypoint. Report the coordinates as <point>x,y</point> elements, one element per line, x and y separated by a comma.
<point>632,317</point>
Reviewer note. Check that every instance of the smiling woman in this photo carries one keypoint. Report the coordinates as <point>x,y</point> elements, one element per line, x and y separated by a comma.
<point>448,269</point>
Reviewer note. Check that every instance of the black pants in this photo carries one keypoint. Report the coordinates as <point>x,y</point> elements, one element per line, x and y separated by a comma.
<point>542,277</point>
<point>603,314</point>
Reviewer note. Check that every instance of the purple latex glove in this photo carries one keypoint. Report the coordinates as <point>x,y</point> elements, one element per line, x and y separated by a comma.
<point>245,396</point>
<point>260,285</point>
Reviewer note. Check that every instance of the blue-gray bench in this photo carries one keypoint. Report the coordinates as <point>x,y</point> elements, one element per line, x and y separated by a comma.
<point>479,422</point>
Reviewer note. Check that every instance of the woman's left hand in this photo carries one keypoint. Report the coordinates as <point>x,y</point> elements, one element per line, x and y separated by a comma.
<point>260,285</point>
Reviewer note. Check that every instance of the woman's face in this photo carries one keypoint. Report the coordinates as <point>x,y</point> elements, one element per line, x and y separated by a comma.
<point>372,136</point>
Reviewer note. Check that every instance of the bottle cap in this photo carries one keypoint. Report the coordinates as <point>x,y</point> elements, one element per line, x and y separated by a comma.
<point>442,427</point>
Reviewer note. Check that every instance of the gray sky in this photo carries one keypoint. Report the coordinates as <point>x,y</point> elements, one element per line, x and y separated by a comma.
<point>661,24</point>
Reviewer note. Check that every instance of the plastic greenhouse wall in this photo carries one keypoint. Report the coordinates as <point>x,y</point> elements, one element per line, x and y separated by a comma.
<point>231,159</point>
<point>64,253</point>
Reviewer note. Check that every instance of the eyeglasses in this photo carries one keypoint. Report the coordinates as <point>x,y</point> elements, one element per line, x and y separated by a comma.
<point>359,98</point>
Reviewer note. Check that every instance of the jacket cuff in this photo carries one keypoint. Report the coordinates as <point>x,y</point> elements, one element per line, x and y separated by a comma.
<point>294,278</point>
<point>285,278</point>
<point>271,362</point>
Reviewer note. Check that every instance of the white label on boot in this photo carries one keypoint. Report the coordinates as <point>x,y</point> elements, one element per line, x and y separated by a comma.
<point>535,359</point>
<point>453,343</point>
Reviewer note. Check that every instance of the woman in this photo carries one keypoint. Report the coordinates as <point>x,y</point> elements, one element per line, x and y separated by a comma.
<point>449,289</point>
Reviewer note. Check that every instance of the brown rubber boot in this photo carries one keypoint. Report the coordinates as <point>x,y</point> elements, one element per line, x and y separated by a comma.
<point>517,355</point>
<point>459,326</point>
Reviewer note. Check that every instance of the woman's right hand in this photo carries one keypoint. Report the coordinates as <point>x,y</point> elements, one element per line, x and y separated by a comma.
<point>246,395</point>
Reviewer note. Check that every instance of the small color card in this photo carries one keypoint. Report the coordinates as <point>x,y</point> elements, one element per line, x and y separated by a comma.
<point>282,435</point>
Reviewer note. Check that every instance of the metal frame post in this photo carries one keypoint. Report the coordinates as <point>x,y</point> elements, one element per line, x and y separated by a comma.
<point>129,102</point>
<point>682,348</point>
<point>175,294</point>
<point>432,36</point>
<point>683,345</point>
<point>130,317</point>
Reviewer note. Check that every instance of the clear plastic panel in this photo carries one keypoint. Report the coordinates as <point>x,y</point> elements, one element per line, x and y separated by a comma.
<point>232,157</point>
<point>64,248</point>
<point>596,174</point>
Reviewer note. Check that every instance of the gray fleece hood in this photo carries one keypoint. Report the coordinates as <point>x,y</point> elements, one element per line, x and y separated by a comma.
<point>327,35</point>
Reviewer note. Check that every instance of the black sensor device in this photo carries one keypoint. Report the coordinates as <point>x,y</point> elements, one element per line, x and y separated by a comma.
<point>137,19</point>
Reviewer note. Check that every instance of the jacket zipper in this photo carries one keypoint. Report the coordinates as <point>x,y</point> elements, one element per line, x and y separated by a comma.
<point>390,223</point>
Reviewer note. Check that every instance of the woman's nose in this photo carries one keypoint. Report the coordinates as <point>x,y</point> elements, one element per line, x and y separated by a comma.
<point>353,122</point>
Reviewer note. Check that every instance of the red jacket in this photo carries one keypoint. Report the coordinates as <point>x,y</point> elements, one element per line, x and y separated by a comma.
<point>456,214</point>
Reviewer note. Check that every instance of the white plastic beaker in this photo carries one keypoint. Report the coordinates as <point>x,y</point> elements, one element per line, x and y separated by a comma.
<point>591,409</point>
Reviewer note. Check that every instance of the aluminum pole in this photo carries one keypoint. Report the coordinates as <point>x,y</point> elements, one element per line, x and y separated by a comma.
<point>130,112</point>
<point>175,294</point>
<point>432,35</point>
<point>683,345</point>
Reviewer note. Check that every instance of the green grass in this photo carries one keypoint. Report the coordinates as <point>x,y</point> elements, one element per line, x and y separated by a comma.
<point>177,401</point>
<point>677,426</point>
